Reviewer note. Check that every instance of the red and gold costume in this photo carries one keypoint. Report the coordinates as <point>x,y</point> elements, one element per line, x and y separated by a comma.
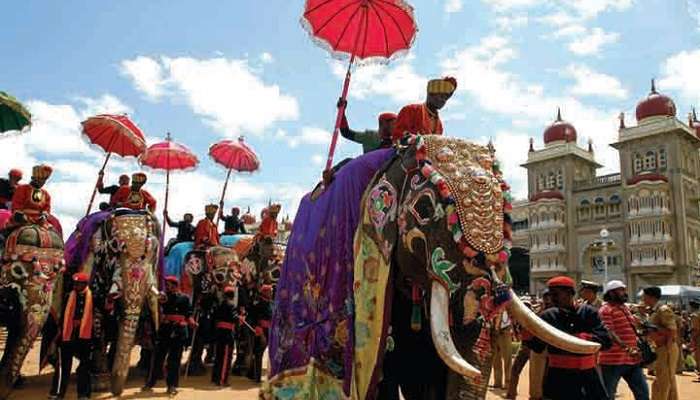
<point>206,234</point>
<point>32,201</point>
<point>418,119</point>
<point>138,199</point>
<point>268,226</point>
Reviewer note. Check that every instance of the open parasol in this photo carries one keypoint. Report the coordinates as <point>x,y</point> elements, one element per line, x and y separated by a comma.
<point>168,156</point>
<point>114,134</point>
<point>13,115</point>
<point>369,30</point>
<point>234,155</point>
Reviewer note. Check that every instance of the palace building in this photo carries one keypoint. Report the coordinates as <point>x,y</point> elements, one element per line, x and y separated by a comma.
<point>650,208</point>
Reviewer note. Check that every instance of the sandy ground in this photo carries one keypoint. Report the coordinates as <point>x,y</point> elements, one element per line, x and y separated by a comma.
<point>194,388</point>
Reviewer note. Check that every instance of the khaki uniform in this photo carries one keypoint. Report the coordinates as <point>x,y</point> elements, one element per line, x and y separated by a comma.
<point>502,350</point>
<point>695,337</point>
<point>664,386</point>
<point>538,365</point>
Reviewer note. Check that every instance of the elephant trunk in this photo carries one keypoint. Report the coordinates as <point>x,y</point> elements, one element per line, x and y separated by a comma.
<point>547,333</point>
<point>122,358</point>
<point>440,331</point>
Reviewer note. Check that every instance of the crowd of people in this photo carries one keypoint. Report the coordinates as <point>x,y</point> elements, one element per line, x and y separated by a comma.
<point>661,338</point>
<point>241,308</point>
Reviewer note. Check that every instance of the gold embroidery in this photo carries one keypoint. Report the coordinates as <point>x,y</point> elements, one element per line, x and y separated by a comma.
<point>466,168</point>
<point>37,195</point>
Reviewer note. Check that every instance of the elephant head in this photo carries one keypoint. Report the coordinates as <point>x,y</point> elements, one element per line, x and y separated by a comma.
<point>32,259</point>
<point>435,229</point>
<point>130,251</point>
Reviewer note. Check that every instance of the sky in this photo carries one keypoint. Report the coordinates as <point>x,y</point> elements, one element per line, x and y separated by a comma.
<point>208,70</point>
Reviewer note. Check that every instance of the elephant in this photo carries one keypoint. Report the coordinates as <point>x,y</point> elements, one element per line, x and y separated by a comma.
<point>122,258</point>
<point>31,262</point>
<point>391,278</point>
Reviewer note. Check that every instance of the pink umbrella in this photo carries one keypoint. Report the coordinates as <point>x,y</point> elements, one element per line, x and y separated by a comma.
<point>168,156</point>
<point>234,155</point>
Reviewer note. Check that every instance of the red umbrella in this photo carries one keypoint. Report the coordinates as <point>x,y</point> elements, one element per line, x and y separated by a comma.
<point>114,134</point>
<point>168,156</point>
<point>233,155</point>
<point>361,29</point>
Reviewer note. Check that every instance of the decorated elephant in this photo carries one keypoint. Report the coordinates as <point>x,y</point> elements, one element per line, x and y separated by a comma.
<point>404,252</point>
<point>120,250</point>
<point>31,261</point>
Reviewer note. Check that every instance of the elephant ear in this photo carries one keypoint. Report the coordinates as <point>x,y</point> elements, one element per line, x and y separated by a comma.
<point>373,245</point>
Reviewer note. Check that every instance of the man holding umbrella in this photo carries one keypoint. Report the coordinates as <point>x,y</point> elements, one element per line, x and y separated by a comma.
<point>423,118</point>
<point>135,197</point>
<point>111,190</point>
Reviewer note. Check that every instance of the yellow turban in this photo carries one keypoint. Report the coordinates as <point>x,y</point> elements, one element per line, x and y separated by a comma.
<point>41,171</point>
<point>210,208</point>
<point>446,85</point>
<point>138,177</point>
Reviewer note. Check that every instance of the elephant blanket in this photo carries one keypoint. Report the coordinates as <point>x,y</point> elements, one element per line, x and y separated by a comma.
<point>175,260</point>
<point>312,340</point>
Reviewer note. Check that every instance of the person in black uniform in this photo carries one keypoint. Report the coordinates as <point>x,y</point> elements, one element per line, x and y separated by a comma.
<point>225,317</point>
<point>112,189</point>
<point>75,340</point>
<point>185,230</point>
<point>245,338</point>
<point>232,223</point>
<point>261,315</point>
<point>572,376</point>
<point>172,335</point>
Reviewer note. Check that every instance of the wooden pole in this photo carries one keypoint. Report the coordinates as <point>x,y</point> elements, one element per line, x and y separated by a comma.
<point>94,190</point>
<point>223,193</point>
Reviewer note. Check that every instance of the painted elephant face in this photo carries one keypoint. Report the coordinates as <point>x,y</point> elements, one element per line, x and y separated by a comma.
<point>30,265</point>
<point>226,270</point>
<point>441,218</point>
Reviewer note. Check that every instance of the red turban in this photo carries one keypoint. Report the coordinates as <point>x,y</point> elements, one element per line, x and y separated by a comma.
<point>15,173</point>
<point>172,278</point>
<point>229,289</point>
<point>81,277</point>
<point>561,281</point>
<point>387,116</point>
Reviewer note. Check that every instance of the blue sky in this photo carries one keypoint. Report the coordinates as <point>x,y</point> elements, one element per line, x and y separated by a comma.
<point>205,70</point>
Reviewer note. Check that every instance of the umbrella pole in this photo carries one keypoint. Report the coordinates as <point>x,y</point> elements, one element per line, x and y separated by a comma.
<point>223,193</point>
<point>167,190</point>
<point>339,115</point>
<point>94,190</point>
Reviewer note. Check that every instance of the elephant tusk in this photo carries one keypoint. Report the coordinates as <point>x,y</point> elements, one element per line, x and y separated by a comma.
<point>546,332</point>
<point>440,331</point>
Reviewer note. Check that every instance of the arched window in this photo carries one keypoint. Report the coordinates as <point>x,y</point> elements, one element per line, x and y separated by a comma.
<point>662,158</point>
<point>637,163</point>
<point>560,180</point>
<point>650,161</point>
<point>599,207</point>
<point>584,210</point>
<point>615,202</point>
<point>551,181</point>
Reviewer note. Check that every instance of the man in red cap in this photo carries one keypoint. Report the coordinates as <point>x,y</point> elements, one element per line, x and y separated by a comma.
<point>173,335</point>
<point>225,318</point>
<point>31,204</point>
<point>423,118</point>
<point>113,189</point>
<point>572,376</point>
<point>75,340</point>
<point>369,139</point>
<point>7,188</point>
<point>134,197</point>
<point>205,234</point>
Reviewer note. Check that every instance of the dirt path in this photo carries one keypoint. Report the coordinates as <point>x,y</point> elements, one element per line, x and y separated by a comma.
<point>198,388</point>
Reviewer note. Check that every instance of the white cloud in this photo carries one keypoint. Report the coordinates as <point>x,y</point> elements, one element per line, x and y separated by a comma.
<point>399,81</point>
<point>101,105</point>
<point>592,41</point>
<point>266,58</point>
<point>147,75</point>
<point>526,103</point>
<point>591,8</point>
<point>509,23</point>
<point>453,6</point>
<point>317,159</point>
<point>504,5</point>
<point>694,11</point>
<point>592,83</point>
<point>227,93</point>
<point>680,72</point>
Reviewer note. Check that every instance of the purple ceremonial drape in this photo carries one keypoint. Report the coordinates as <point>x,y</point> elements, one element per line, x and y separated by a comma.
<point>313,311</point>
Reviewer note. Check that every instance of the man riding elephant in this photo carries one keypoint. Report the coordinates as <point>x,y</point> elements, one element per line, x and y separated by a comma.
<point>31,261</point>
<point>411,241</point>
<point>31,203</point>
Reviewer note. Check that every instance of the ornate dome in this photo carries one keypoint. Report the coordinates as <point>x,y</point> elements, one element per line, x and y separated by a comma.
<point>547,195</point>
<point>693,122</point>
<point>647,177</point>
<point>560,130</point>
<point>654,105</point>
